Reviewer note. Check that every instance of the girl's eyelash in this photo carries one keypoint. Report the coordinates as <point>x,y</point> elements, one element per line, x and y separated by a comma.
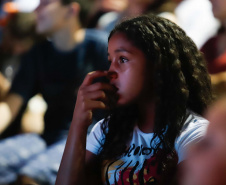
<point>123,59</point>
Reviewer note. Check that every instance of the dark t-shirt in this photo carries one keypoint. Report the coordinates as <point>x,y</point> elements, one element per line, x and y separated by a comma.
<point>57,76</point>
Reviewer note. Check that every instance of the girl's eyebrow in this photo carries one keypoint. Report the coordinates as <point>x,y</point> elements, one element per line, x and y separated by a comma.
<point>121,50</point>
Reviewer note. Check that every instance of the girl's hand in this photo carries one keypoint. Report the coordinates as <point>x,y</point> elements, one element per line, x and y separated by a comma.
<point>91,96</point>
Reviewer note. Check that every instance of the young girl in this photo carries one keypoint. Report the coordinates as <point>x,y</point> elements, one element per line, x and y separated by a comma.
<point>159,83</point>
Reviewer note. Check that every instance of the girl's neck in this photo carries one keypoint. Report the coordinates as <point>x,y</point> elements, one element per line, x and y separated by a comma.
<point>146,117</point>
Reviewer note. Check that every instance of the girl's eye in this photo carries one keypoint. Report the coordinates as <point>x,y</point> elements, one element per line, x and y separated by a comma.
<point>123,60</point>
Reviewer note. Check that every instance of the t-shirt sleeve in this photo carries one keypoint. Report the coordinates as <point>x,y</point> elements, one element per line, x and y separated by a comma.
<point>95,138</point>
<point>193,131</point>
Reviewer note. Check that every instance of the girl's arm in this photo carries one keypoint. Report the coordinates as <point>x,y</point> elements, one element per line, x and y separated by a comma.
<point>78,166</point>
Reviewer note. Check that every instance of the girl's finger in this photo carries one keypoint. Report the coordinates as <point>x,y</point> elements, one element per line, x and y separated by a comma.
<point>96,95</point>
<point>92,105</point>
<point>92,75</point>
<point>99,86</point>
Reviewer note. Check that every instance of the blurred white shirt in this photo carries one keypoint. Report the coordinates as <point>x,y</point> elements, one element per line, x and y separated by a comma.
<point>196,18</point>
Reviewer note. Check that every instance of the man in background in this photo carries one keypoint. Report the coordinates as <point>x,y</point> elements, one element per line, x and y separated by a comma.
<point>54,68</point>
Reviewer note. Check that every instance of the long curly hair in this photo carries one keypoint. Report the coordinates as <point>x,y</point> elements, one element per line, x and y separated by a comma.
<point>181,82</point>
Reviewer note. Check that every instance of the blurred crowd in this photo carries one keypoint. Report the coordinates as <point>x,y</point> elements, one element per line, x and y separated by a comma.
<point>64,26</point>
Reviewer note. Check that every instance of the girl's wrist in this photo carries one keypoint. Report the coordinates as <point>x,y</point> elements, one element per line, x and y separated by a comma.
<point>79,126</point>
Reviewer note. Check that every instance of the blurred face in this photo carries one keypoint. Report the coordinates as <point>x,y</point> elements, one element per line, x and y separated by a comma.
<point>207,162</point>
<point>51,16</point>
<point>128,70</point>
<point>111,5</point>
<point>219,9</point>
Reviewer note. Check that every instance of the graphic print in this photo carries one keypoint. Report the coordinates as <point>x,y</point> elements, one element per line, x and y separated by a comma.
<point>136,167</point>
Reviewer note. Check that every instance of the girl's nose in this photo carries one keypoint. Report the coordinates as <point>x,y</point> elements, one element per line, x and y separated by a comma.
<point>112,75</point>
<point>112,72</point>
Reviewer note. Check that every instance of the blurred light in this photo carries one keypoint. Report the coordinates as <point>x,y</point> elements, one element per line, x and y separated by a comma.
<point>21,6</point>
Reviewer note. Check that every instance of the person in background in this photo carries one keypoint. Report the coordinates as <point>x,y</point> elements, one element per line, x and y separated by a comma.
<point>101,7</point>
<point>164,8</point>
<point>215,50</point>
<point>4,86</point>
<point>17,33</point>
<point>197,20</point>
<point>206,164</point>
<point>18,36</point>
<point>54,68</point>
<point>158,88</point>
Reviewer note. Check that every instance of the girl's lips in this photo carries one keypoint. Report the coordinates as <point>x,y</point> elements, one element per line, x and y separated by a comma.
<point>113,97</point>
<point>116,88</point>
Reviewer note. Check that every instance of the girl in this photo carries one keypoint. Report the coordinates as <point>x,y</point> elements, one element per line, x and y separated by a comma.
<point>159,82</point>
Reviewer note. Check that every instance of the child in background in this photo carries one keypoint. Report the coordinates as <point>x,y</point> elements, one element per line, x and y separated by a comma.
<point>160,85</point>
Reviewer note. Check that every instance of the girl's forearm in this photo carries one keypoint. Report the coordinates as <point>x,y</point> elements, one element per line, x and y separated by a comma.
<point>72,168</point>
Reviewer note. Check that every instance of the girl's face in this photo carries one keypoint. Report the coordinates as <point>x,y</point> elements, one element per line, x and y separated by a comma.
<point>128,70</point>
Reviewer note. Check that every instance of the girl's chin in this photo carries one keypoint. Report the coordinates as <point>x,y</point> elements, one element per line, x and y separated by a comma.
<point>122,102</point>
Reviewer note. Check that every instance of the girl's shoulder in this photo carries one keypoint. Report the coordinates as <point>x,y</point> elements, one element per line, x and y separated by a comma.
<point>194,121</point>
<point>97,128</point>
<point>94,138</point>
<point>192,132</point>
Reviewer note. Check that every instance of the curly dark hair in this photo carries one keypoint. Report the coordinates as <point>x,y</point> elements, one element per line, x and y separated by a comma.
<point>181,82</point>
